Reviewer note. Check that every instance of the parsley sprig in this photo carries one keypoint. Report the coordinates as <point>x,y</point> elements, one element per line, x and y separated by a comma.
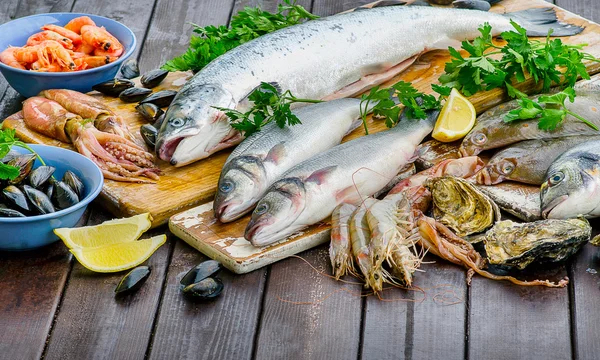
<point>8,139</point>
<point>268,105</point>
<point>250,23</point>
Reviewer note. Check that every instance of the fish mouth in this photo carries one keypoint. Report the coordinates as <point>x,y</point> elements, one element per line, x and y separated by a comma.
<point>166,148</point>
<point>229,211</point>
<point>254,233</point>
<point>553,204</point>
<point>468,151</point>
<point>484,177</point>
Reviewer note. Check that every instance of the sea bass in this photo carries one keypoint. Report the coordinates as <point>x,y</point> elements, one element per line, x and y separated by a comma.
<point>520,200</point>
<point>572,185</point>
<point>528,161</point>
<point>492,132</point>
<point>348,173</point>
<point>264,156</point>
<point>329,58</point>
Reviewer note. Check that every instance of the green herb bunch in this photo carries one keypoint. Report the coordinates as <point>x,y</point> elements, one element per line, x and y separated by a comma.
<point>248,24</point>
<point>8,139</point>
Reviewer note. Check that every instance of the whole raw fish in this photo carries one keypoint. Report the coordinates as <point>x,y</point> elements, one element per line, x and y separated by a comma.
<point>329,58</point>
<point>264,156</point>
<point>492,132</point>
<point>347,173</point>
<point>520,200</point>
<point>572,185</point>
<point>528,161</point>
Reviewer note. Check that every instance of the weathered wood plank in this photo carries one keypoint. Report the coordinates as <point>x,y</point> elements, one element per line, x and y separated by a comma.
<point>308,315</point>
<point>429,324</point>
<point>221,329</point>
<point>330,7</point>
<point>93,324</point>
<point>516,322</point>
<point>586,8</point>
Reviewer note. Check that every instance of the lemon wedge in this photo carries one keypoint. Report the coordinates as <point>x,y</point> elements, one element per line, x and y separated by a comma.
<point>118,257</point>
<point>456,119</point>
<point>108,233</point>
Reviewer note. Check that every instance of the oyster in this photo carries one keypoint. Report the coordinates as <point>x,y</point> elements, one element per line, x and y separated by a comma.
<point>518,245</point>
<point>460,206</point>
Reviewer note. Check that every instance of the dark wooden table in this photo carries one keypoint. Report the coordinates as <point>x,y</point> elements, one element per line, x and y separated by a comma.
<point>51,307</point>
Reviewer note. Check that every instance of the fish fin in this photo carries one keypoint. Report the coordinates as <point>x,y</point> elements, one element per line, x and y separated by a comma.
<point>320,176</point>
<point>245,100</point>
<point>444,43</point>
<point>540,20</point>
<point>348,195</point>
<point>355,125</point>
<point>276,153</point>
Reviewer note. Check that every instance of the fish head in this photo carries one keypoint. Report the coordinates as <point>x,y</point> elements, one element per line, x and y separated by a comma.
<point>496,171</point>
<point>474,142</point>
<point>569,189</point>
<point>242,183</point>
<point>193,125</point>
<point>276,214</point>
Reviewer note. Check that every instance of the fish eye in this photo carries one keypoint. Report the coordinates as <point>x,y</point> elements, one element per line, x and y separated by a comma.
<point>556,178</point>
<point>226,186</point>
<point>177,122</point>
<point>261,209</point>
<point>480,138</point>
<point>507,167</point>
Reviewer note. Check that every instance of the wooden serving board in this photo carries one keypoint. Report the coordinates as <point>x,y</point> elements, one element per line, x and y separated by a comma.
<point>180,189</point>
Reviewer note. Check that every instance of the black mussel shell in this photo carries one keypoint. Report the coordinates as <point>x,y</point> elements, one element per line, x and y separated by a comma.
<point>161,98</point>
<point>149,133</point>
<point>11,155</point>
<point>74,183</point>
<point>49,190</point>
<point>149,111</point>
<point>8,212</point>
<point>63,196</point>
<point>158,123</point>
<point>39,175</point>
<point>113,87</point>
<point>472,4</point>
<point>153,78</point>
<point>15,198</point>
<point>130,69</point>
<point>25,163</point>
<point>134,94</point>
<point>201,271</point>
<point>39,200</point>
<point>206,289</point>
<point>133,280</point>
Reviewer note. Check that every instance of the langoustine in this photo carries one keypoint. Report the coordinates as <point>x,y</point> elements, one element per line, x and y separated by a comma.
<point>118,158</point>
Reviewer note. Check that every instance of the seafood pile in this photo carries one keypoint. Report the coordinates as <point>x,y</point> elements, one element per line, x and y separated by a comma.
<point>79,45</point>
<point>95,131</point>
<point>36,191</point>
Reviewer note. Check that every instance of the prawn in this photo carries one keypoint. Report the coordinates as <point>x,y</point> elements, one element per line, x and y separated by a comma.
<point>103,42</point>
<point>85,48</point>
<point>73,36</point>
<point>340,248</point>
<point>50,52</point>
<point>361,235</point>
<point>26,55</point>
<point>75,24</point>
<point>8,57</point>
<point>40,37</point>
<point>89,62</point>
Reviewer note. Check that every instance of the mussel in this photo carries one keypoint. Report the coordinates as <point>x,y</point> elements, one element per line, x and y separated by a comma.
<point>130,69</point>
<point>149,111</point>
<point>133,280</point>
<point>74,183</point>
<point>161,98</point>
<point>113,87</point>
<point>5,211</point>
<point>206,289</point>
<point>40,175</point>
<point>63,196</point>
<point>25,163</point>
<point>9,156</point>
<point>39,200</point>
<point>158,123</point>
<point>15,198</point>
<point>49,190</point>
<point>149,133</point>
<point>153,78</point>
<point>134,94</point>
<point>200,272</point>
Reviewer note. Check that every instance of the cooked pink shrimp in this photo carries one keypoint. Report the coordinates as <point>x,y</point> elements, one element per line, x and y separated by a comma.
<point>76,24</point>
<point>40,37</point>
<point>102,40</point>
<point>8,57</point>
<point>75,38</point>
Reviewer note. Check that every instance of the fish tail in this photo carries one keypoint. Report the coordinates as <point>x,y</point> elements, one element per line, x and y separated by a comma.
<point>541,20</point>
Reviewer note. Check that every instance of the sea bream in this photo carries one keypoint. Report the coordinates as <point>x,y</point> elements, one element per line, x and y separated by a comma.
<point>265,155</point>
<point>572,184</point>
<point>347,173</point>
<point>328,58</point>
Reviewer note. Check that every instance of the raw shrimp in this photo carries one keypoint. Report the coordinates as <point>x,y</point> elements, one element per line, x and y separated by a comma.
<point>75,24</point>
<point>340,248</point>
<point>40,37</point>
<point>102,40</point>
<point>8,57</point>
<point>360,236</point>
<point>75,38</point>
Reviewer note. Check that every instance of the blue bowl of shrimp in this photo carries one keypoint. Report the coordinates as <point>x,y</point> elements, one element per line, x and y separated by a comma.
<point>62,51</point>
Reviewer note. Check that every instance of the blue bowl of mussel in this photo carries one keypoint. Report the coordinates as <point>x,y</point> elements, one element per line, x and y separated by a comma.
<point>43,198</point>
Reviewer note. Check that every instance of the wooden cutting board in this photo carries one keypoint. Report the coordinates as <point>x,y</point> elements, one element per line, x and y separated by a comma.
<point>180,189</point>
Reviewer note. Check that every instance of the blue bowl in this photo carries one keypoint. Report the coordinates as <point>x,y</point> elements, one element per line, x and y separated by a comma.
<point>30,83</point>
<point>25,233</point>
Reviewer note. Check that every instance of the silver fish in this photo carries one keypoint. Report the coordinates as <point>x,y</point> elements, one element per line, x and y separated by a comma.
<point>264,156</point>
<point>349,172</point>
<point>520,200</point>
<point>572,184</point>
<point>492,132</point>
<point>329,58</point>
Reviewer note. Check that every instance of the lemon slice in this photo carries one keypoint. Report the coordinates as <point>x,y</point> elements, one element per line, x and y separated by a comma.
<point>118,257</point>
<point>456,119</point>
<point>107,233</point>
